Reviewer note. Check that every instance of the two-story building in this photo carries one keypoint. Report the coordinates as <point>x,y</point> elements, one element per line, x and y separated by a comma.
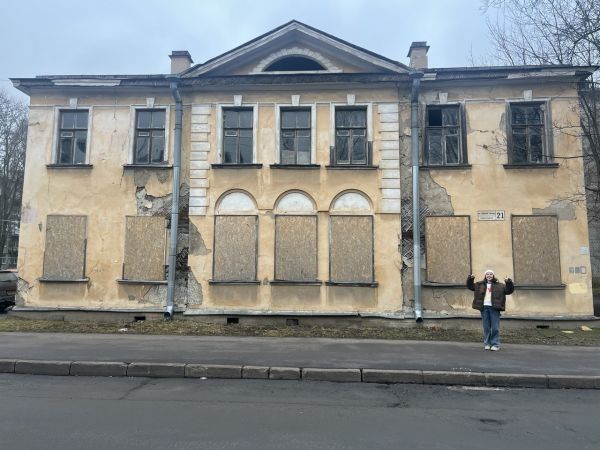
<point>292,171</point>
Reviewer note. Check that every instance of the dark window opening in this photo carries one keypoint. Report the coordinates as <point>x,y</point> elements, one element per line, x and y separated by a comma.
<point>237,136</point>
<point>527,134</point>
<point>443,136</point>
<point>72,137</point>
<point>295,136</point>
<point>294,64</point>
<point>351,145</point>
<point>149,137</point>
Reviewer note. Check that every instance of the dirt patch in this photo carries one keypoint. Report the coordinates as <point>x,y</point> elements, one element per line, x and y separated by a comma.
<point>549,336</point>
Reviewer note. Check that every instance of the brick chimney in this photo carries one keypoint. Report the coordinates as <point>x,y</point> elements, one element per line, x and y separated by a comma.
<point>418,55</point>
<point>180,60</point>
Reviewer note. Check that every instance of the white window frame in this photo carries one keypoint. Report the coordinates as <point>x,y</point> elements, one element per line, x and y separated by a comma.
<point>313,129</point>
<point>133,110</point>
<point>56,132</point>
<point>220,108</point>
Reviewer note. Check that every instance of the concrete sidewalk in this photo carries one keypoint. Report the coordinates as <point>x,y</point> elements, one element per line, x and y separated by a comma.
<point>300,358</point>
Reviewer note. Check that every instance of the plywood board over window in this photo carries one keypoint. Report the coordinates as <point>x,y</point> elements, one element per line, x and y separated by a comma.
<point>145,242</point>
<point>448,247</point>
<point>235,248</point>
<point>296,248</point>
<point>351,251</point>
<point>536,255</point>
<point>64,256</point>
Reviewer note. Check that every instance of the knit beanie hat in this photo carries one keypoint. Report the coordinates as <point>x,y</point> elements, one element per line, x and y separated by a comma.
<point>489,271</point>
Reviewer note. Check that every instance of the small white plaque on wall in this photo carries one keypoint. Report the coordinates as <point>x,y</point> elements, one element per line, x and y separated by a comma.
<point>488,216</point>
<point>443,96</point>
<point>295,100</point>
<point>237,100</point>
<point>351,99</point>
<point>528,95</point>
<point>150,102</point>
<point>73,102</point>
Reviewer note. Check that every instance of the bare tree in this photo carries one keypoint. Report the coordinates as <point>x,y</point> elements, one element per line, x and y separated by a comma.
<point>13,136</point>
<point>556,32</point>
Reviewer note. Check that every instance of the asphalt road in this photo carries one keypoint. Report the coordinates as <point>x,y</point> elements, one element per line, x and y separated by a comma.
<point>114,413</point>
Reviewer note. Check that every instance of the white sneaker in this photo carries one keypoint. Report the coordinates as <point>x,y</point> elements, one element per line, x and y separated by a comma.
<point>487,347</point>
<point>494,348</point>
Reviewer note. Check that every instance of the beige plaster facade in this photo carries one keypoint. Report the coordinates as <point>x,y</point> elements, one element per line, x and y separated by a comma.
<point>110,186</point>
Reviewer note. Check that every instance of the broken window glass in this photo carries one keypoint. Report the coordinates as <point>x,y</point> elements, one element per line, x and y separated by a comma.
<point>149,145</point>
<point>237,136</point>
<point>443,136</point>
<point>528,146</point>
<point>351,145</point>
<point>295,136</point>
<point>72,137</point>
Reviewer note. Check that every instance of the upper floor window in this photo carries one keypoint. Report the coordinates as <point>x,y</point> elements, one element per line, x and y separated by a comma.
<point>351,145</point>
<point>73,137</point>
<point>237,135</point>
<point>444,144</point>
<point>294,64</point>
<point>295,136</point>
<point>527,140</point>
<point>149,136</point>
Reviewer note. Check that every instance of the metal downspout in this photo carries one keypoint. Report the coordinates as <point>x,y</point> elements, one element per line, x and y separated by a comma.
<point>168,314</point>
<point>414,138</point>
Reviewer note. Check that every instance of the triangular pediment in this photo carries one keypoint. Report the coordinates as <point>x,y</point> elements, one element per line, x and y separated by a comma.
<point>312,50</point>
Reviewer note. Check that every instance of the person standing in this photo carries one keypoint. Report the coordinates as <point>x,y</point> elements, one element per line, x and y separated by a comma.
<point>489,298</point>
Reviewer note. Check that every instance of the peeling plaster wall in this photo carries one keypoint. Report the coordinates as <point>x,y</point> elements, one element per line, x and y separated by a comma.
<point>487,185</point>
<point>105,193</point>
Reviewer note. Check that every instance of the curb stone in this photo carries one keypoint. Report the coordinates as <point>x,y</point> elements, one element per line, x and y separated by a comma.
<point>392,376</point>
<point>255,372</point>
<point>156,370</point>
<point>98,369</point>
<point>516,380</point>
<point>181,370</point>
<point>460,378</point>
<point>223,371</point>
<point>43,367</point>
<point>7,365</point>
<point>284,373</point>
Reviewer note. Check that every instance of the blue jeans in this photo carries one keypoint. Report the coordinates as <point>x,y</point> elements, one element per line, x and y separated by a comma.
<point>491,325</point>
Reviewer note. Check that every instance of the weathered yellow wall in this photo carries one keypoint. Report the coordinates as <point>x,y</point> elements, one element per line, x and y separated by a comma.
<point>487,185</point>
<point>105,193</point>
<point>266,185</point>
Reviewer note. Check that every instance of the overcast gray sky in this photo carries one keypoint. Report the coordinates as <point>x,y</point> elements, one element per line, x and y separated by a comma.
<point>72,37</point>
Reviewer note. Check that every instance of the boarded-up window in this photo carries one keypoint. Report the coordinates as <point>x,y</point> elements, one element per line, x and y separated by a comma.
<point>351,249</point>
<point>296,248</point>
<point>145,241</point>
<point>235,248</point>
<point>64,257</point>
<point>536,255</point>
<point>448,246</point>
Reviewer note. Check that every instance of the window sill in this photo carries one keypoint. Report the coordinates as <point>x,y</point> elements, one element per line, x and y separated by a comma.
<point>296,166</point>
<point>350,167</point>
<point>293,283</point>
<point>122,281</point>
<point>236,166</point>
<point>147,166</point>
<point>64,280</point>
<point>233,282</point>
<point>448,167</point>
<point>541,288</point>
<point>428,284</point>
<point>532,166</point>
<point>69,166</point>
<point>351,283</point>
